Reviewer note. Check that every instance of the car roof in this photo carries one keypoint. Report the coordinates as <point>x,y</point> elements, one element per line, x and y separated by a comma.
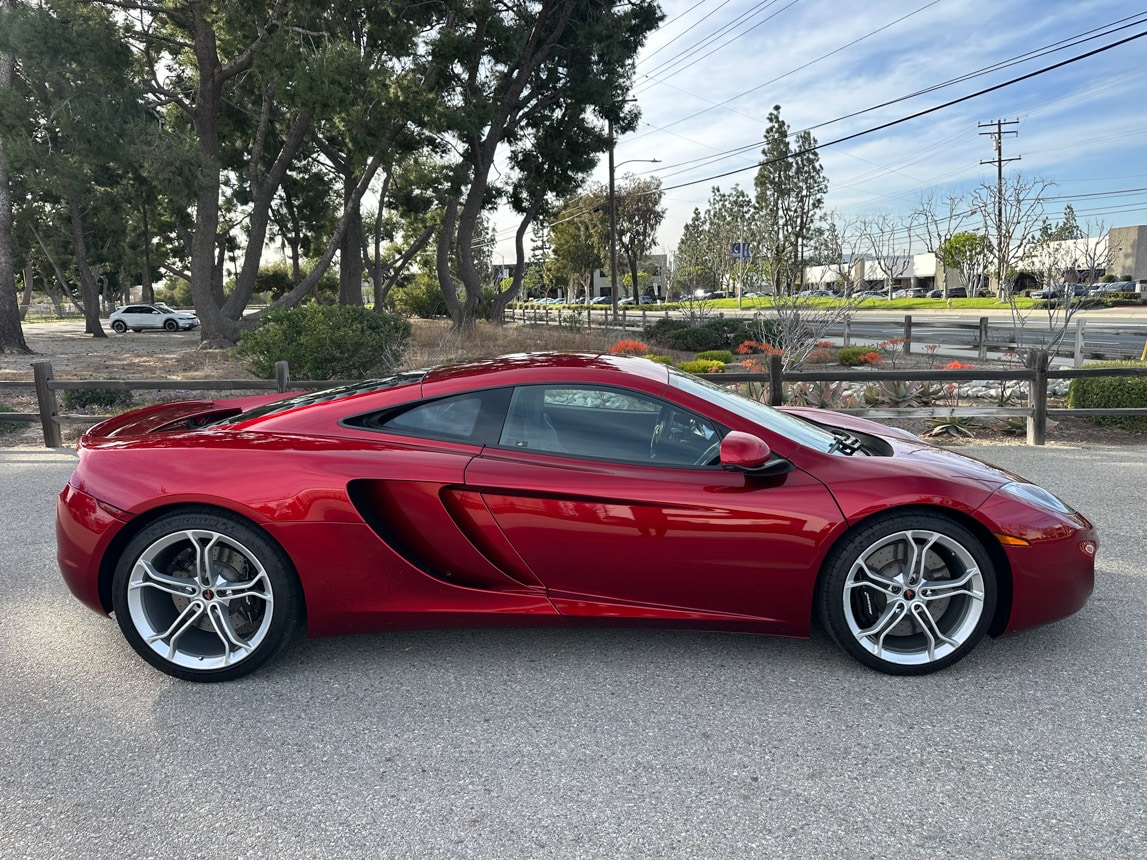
<point>543,367</point>
<point>296,414</point>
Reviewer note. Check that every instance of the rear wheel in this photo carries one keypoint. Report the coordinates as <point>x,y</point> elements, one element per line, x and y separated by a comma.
<point>205,596</point>
<point>908,594</point>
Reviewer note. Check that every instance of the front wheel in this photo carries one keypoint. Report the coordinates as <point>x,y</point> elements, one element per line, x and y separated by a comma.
<point>205,596</point>
<point>119,326</point>
<point>908,594</point>
<point>171,325</point>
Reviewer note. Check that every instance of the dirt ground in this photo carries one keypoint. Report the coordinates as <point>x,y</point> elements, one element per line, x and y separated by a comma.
<point>163,355</point>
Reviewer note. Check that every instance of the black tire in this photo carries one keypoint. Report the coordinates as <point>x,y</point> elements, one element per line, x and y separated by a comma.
<point>119,326</point>
<point>170,325</point>
<point>907,593</point>
<point>215,600</point>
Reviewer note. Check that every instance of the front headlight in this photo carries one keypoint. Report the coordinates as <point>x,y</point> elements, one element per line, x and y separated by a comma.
<point>1036,496</point>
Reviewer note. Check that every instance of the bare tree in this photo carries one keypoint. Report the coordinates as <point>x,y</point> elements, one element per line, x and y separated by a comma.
<point>1055,255</point>
<point>1011,217</point>
<point>1096,253</point>
<point>886,237</point>
<point>795,325</point>
<point>934,222</point>
<point>838,248</point>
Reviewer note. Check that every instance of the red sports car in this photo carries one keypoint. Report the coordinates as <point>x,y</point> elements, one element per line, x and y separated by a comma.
<point>551,490</point>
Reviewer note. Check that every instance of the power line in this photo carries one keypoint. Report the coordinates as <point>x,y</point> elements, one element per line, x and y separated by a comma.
<point>1072,41</point>
<point>921,113</point>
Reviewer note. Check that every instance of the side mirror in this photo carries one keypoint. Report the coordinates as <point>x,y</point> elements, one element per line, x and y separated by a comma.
<point>743,452</point>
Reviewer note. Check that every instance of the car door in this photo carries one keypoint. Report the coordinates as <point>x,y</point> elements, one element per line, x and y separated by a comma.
<point>145,316</point>
<point>600,492</point>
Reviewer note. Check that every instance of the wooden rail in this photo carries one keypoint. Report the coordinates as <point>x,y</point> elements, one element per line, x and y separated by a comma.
<point>986,337</point>
<point>1036,375</point>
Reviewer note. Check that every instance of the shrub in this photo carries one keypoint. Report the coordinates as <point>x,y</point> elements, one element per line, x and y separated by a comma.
<point>1111,392</point>
<point>8,426</point>
<point>96,398</point>
<point>660,359</point>
<point>721,355</point>
<point>422,298</point>
<point>719,333</point>
<point>628,347</point>
<point>852,356</point>
<point>701,366</point>
<point>326,342</point>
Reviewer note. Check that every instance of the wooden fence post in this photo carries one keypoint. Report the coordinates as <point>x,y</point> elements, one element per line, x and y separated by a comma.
<point>46,401</point>
<point>282,377</point>
<point>1037,396</point>
<point>908,334</point>
<point>982,338</point>
<point>1079,325</point>
<point>847,327</point>
<point>776,381</point>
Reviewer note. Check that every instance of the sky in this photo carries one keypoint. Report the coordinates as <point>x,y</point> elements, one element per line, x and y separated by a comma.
<point>707,79</point>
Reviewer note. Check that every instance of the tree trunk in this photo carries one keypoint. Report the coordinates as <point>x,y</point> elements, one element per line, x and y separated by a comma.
<point>88,286</point>
<point>11,332</point>
<point>442,265</point>
<point>350,252</point>
<point>148,287</point>
<point>29,283</point>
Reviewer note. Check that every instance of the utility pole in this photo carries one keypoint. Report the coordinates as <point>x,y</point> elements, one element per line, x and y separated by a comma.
<point>998,141</point>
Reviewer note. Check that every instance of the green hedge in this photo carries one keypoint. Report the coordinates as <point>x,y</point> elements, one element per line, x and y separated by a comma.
<point>849,356</point>
<point>9,426</point>
<point>1111,392</point>
<point>97,398</point>
<point>721,355</point>
<point>702,366</point>
<point>326,342</point>
<point>680,334</point>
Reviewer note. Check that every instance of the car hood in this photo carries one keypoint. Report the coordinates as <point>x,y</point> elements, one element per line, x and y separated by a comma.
<point>909,458</point>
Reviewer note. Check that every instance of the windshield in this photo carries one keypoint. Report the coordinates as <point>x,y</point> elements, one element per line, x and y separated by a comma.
<point>786,425</point>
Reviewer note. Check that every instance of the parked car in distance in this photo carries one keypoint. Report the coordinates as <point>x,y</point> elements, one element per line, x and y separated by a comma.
<point>1058,291</point>
<point>909,293</point>
<point>644,300</point>
<point>870,294</point>
<point>1114,287</point>
<point>155,316</point>
<point>953,293</point>
<point>815,294</point>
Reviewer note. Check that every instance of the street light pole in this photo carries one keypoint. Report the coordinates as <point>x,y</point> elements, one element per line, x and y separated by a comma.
<point>613,217</point>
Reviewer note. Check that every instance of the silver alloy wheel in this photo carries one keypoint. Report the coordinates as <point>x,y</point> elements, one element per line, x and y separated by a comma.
<point>200,599</point>
<point>913,597</point>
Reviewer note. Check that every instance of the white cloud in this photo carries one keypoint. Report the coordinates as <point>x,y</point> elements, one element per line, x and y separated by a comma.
<point>1079,126</point>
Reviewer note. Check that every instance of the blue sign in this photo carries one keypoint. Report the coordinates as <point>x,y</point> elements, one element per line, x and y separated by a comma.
<point>740,250</point>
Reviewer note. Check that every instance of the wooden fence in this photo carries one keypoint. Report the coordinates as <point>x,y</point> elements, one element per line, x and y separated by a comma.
<point>1035,375</point>
<point>985,336</point>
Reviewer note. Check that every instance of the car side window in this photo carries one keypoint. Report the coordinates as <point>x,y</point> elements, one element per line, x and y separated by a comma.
<point>474,417</point>
<point>607,424</point>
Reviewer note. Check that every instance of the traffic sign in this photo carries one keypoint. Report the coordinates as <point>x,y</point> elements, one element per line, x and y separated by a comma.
<point>740,250</point>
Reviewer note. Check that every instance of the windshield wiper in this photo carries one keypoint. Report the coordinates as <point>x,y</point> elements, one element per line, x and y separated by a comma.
<point>846,443</point>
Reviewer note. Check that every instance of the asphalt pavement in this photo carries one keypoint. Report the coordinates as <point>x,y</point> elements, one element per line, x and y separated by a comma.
<point>579,744</point>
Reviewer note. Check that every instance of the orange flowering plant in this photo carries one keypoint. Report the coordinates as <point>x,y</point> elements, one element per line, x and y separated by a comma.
<point>628,347</point>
